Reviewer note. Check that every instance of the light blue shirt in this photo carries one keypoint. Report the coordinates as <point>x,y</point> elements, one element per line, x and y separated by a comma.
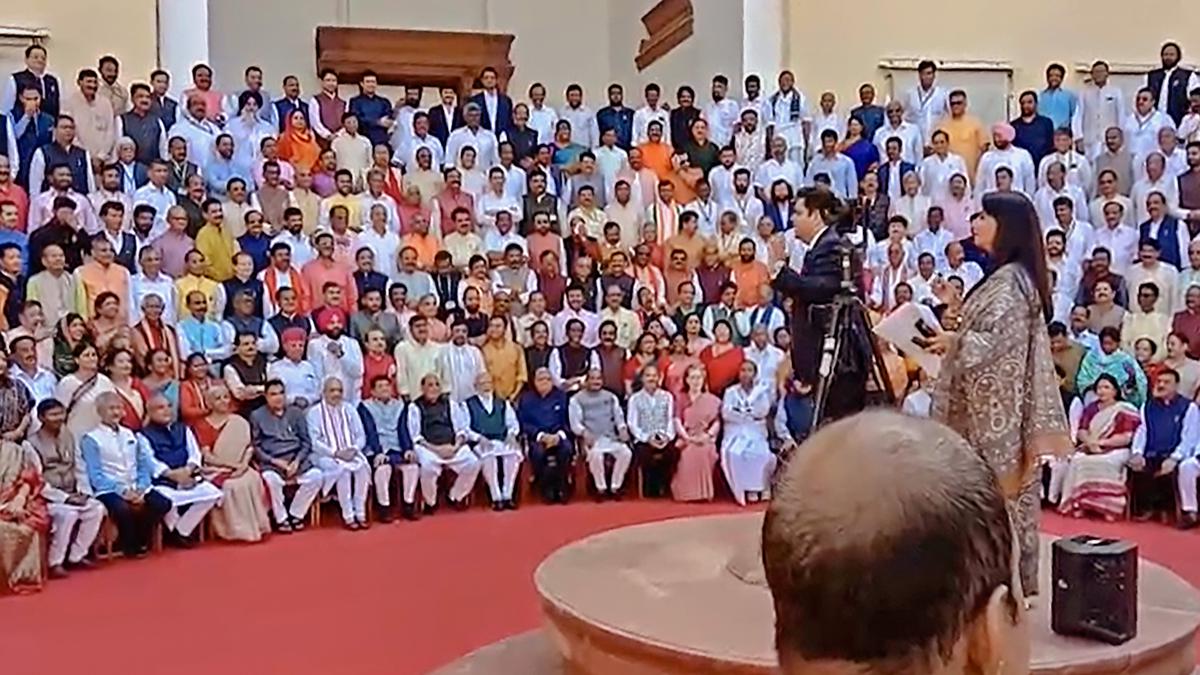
<point>220,171</point>
<point>842,175</point>
<point>1059,105</point>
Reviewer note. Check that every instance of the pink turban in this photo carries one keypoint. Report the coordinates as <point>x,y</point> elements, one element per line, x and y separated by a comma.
<point>293,334</point>
<point>1005,131</point>
<point>325,316</point>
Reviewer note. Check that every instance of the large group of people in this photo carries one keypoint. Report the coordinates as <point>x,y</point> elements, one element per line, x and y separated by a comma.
<point>221,310</point>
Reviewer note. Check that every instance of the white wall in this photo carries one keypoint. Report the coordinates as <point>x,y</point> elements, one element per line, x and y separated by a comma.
<point>183,29</point>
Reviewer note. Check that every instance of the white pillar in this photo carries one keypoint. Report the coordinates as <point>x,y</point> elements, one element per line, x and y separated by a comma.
<point>182,39</point>
<point>763,39</point>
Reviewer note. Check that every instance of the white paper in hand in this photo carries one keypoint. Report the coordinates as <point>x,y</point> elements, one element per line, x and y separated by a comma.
<point>900,329</point>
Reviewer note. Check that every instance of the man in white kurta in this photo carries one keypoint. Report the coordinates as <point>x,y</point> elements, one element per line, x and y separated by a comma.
<point>1004,153</point>
<point>438,428</point>
<point>493,430</point>
<point>459,364</point>
<point>415,358</point>
<point>599,423</point>
<point>335,354</point>
<point>746,456</point>
<point>338,439</point>
<point>177,476</point>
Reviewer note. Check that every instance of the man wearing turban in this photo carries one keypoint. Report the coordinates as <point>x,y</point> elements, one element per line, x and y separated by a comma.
<point>1004,153</point>
<point>335,354</point>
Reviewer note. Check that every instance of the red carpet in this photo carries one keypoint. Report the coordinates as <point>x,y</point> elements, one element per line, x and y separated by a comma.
<point>399,599</point>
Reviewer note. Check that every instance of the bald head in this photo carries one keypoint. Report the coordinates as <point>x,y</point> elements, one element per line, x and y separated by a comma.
<point>890,532</point>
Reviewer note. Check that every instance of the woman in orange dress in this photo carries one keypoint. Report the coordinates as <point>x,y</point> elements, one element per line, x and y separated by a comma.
<point>224,440</point>
<point>193,405</point>
<point>645,352</point>
<point>678,364</point>
<point>722,359</point>
<point>298,144</point>
<point>697,423</point>
<point>119,366</point>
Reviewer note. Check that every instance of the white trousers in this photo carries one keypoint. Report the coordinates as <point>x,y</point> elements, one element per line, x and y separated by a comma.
<point>63,519</point>
<point>409,476</point>
<point>308,486</point>
<point>1060,469</point>
<point>622,457</point>
<point>190,506</point>
<point>491,474</point>
<point>1189,471</point>
<point>352,479</point>
<point>464,464</point>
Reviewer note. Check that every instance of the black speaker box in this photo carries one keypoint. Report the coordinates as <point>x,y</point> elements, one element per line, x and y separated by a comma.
<point>1094,588</point>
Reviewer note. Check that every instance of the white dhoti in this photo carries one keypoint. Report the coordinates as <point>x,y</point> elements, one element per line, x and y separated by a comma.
<point>464,464</point>
<point>352,479</point>
<point>63,519</point>
<point>496,454</point>
<point>746,460</point>
<point>622,457</point>
<point>190,506</point>
<point>1189,471</point>
<point>409,476</point>
<point>308,486</point>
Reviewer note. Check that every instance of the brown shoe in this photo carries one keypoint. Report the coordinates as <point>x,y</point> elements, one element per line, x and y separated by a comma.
<point>58,572</point>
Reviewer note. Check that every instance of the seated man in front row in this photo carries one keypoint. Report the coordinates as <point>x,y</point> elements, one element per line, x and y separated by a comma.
<point>864,506</point>
<point>599,423</point>
<point>283,452</point>
<point>438,428</point>
<point>542,412</point>
<point>179,476</point>
<point>1165,443</point>
<point>384,423</point>
<point>493,429</point>
<point>121,471</point>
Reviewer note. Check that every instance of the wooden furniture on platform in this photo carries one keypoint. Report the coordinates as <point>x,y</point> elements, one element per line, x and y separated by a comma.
<point>414,57</point>
<point>669,23</point>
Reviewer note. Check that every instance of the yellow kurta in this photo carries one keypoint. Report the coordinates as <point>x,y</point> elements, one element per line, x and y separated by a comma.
<point>968,139</point>
<point>93,279</point>
<point>505,361</point>
<point>211,289</point>
<point>413,362</point>
<point>216,243</point>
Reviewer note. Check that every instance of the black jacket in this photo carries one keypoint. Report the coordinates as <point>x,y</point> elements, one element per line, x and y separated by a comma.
<point>816,285</point>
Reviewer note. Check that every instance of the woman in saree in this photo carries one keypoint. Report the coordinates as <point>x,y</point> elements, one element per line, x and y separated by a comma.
<point>393,177</point>
<point>193,391</point>
<point>858,148</point>
<point>71,331</point>
<point>645,352</point>
<point>24,522</point>
<point>693,334</point>
<point>298,144</point>
<point>1092,479</point>
<point>224,440</point>
<point>160,377</point>
<point>1111,360</point>
<point>697,423</point>
<point>679,363</point>
<point>118,365</point>
<point>1144,350</point>
<point>79,390</point>
<point>997,386</point>
<point>722,359</point>
<point>107,321</point>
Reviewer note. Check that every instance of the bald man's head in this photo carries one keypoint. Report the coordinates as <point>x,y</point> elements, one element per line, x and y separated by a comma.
<point>886,544</point>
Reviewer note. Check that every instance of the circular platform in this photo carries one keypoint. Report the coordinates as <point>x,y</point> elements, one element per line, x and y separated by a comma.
<point>685,596</point>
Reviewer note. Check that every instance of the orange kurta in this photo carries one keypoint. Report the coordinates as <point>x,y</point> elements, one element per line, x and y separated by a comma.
<point>750,278</point>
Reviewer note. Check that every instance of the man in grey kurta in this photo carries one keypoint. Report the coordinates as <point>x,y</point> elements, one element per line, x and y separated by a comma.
<point>599,423</point>
<point>283,451</point>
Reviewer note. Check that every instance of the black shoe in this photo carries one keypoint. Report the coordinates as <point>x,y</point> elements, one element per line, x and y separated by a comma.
<point>510,505</point>
<point>498,505</point>
<point>460,505</point>
<point>58,572</point>
<point>364,524</point>
<point>386,515</point>
<point>429,509</point>
<point>83,564</point>
<point>1187,521</point>
<point>176,540</point>
<point>139,552</point>
<point>285,527</point>
<point>352,525</point>
<point>297,524</point>
<point>617,495</point>
<point>409,511</point>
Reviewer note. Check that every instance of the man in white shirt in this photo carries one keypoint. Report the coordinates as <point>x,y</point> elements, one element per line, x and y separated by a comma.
<point>1101,105</point>
<point>927,103</point>
<point>575,310</point>
<point>542,117</point>
<point>706,207</point>
<point>791,117</point>
<point>151,281</point>
<point>1004,153</point>
<point>755,101</point>
<point>1079,168</point>
<point>839,168</point>
<point>475,136</point>
<point>403,114</point>
<point>494,201</point>
<point>957,265</point>
<point>827,117</point>
<point>194,127</point>
<point>383,241</point>
<point>748,207</point>
<point>1117,238</point>
<point>584,129</point>
<point>936,169</point>
<point>296,372</point>
<point>610,159</point>
<point>155,193</point>
<point>721,113</point>
<point>421,138</point>
<point>779,167</point>
<point>933,239</point>
<point>1142,125</point>
<point>653,111</point>
<point>911,141</point>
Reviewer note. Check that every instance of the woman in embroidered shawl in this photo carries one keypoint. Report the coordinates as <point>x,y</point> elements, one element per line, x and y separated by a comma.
<point>997,385</point>
<point>24,521</point>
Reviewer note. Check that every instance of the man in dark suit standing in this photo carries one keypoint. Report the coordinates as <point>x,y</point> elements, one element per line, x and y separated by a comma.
<point>1172,83</point>
<point>892,171</point>
<point>446,116</point>
<point>495,106</point>
<point>817,217</point>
